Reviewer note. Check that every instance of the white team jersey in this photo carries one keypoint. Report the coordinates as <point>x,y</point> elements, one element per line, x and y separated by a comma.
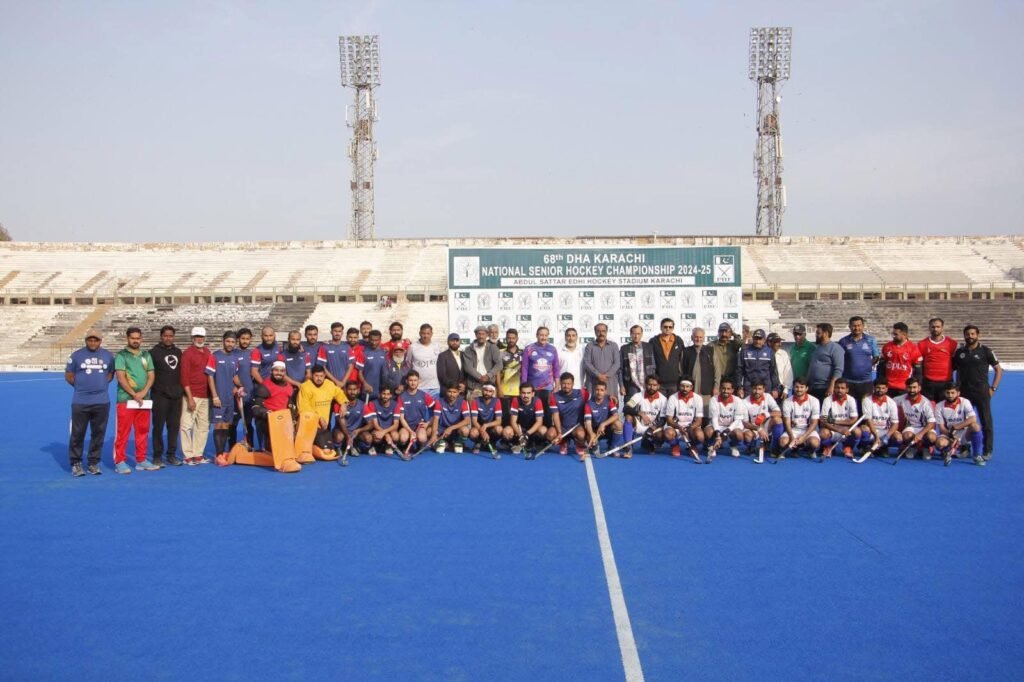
<point>654,408</point>
<point>723,416</point>
<point>881,415</point>
<point>801,414</point>
<point>685,411</point>
<point>919,414</point>
<point>956,413</point>
<point>763,408</point>
<point>833,410</point>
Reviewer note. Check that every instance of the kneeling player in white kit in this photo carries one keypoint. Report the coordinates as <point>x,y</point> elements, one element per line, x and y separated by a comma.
<point>684,414</point>
<point>958,426</point>
<point>800,415</point>
<point>763,420</point>
<point>645,414</point>
<point>839,412</point>
<point>919,416</point>
<point>882,423</point>
<point>726,415</point>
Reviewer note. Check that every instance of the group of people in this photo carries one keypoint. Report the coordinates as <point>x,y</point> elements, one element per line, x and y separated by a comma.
<point>398,396</point>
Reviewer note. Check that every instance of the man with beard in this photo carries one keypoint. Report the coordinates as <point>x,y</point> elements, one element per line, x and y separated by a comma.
<point>270,396</point>
<point>601,361</point>
<point>264,355</point>
<point>195,414</point>
<point>224,385</point>
<point>395,332</point>
<point>166,397</point>
<point>243,356</point>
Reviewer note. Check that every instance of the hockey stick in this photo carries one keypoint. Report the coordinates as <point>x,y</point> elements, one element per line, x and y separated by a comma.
<point>832,447</point>
<point>956,440</point>
<point>549,445</point>
<point>904,451</point>
<point>689,446</point>
<point>633,442</point>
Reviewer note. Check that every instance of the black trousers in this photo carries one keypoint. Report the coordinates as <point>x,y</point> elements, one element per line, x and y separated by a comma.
<point>247,415</point>
<point>982,402</point>
<point>819,392</point>
<point>545,396</point>
<point>94,419</point>
<point>935,391</point>
<point>166,414</point>
<point>860,390</point>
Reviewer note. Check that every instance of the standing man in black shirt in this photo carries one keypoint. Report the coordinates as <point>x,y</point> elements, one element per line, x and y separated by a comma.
<point>668,357</point>
<point>166,395</point>
<point>971,362</point>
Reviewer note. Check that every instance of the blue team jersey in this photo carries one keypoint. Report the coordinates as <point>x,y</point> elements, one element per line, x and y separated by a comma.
<point>859,355</point>
<point>264,357</point>
<point>527,415</point>
<point>485,411</point>
<point>450,413</point>
<point>92,370</point>
<point>243,359</point>
<point>372,366</point>
<point>295,363</point>
<point>352,413</point>
<point>416,407</point>
<point>337,359</point>
<point>223,367</point>
<point>598,412</point>
<point>316,351</point>
<point>384,414</point>
<point>569,406</point>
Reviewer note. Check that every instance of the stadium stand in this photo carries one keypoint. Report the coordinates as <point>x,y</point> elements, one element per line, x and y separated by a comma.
<point>49,293</point>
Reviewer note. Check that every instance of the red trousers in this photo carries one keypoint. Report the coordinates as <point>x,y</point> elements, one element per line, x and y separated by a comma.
<point>127,420</point>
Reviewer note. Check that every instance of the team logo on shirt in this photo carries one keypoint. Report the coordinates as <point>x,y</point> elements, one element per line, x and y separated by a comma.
<point>171,361</point>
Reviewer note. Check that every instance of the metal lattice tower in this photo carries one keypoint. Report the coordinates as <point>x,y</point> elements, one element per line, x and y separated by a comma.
<point>360,69</point>
<point>770,56</point>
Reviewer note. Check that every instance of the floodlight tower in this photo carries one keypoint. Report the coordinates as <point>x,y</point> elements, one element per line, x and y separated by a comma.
<point>769,67</point>
<point>360,69</point>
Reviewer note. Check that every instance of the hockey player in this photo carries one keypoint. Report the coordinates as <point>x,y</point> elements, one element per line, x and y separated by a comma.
<point>800,416</point>
<point>684,415</point>
<point>726,417</point>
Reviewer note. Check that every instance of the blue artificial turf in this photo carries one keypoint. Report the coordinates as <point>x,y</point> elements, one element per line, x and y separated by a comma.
<point>459,567</point>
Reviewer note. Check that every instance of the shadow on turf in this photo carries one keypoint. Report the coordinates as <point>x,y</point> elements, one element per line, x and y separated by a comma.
<point>59,452</point>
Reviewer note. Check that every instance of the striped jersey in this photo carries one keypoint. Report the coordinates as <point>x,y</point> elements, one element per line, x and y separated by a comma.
<point>384,414</point>
<point>527,415</point>
<point>417,407</point>
<point>223,367</point>
<point>486,411</point>
<point>599,412</point>
<point>450,413</point>
<point>569,406</point>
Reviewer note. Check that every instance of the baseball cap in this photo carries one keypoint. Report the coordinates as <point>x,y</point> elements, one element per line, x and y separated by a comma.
<point>773,337</point>
<point>725,326</point>
<point>799,329</point>
<point>278,364</point>
<point>93,334</point>
<point>198,331</point>
<point>758,334</point>
<point>454,337</point>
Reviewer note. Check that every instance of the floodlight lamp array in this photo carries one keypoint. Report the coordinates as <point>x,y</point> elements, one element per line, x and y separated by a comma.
<point>360,61</point>
<point>770,53</point>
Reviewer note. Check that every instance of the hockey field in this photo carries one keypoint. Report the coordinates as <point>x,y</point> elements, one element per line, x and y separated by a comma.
<point>459,567</point>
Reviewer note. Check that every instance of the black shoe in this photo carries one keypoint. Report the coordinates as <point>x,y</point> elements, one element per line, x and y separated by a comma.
<point>94,470</point>
<point>76,470</point>
<point>172,461</point>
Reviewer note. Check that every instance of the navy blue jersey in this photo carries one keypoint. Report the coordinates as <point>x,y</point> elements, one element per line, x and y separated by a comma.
<point>337,359</point>
<point>599,412</point>
<point>450,413</point>
<point>569,406</point>
<point>223,367</point>
<point>352,413</point>
<point>417,407</point>
<point>264,356</point>
<point>384,414</point>
<point>858,365</point>
<point>317,352</point>
<point>243,359</point>
<point>295,363</point>
<point>92,370</point>
<point>486,411</point>
<point>372,365</point>
<point>527,415</point>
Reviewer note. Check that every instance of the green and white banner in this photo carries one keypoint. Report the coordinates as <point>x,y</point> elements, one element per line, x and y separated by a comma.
<point>558,288</point>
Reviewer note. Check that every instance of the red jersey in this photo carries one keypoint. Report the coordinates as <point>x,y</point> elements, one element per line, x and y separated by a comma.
<point>356,355</point>
<point>899,362</point>
<point>938,358</point>
<point>280,394</point>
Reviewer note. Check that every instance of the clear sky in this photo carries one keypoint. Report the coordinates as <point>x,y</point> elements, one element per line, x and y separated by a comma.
<point>225,120</point>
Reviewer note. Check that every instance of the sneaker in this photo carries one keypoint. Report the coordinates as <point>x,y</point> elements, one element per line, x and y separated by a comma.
<point>734,451</point>
<point>123,468</point>
<point>947,458</point>
<point>476,449</point>
<point>172,461</point>
<point>910,455</point>
<point>628,454</point>
<point>77,470</point>
<point>372,451</point>
<point>987,457</point>
<point>441,447</point>
<point>516,449</point>
<point>158,463</point>
<point>848,451</point>
<point>94,470</point>
<point>389,450</point>
<point>581,453</point>
<point>760,456</point>
<point>711,455</point>
<point>676,452</point>
<point>458,448</point>
<point>926,455</point>
<point>146,465</point>
<point>563,449</point>
<point>203,460</point>
<point>980,460</point>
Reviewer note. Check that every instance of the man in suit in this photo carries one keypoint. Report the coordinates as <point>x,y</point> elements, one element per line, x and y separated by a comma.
<point>668,355</point>
<point>450,363</point>
<point>699,365</point>
<point>637,362</point>
<point>481,363</point>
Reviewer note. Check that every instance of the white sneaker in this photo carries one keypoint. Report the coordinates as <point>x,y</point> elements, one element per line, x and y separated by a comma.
<point>458,448</point>
<point>440,447</point>
<point>734,451</point>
